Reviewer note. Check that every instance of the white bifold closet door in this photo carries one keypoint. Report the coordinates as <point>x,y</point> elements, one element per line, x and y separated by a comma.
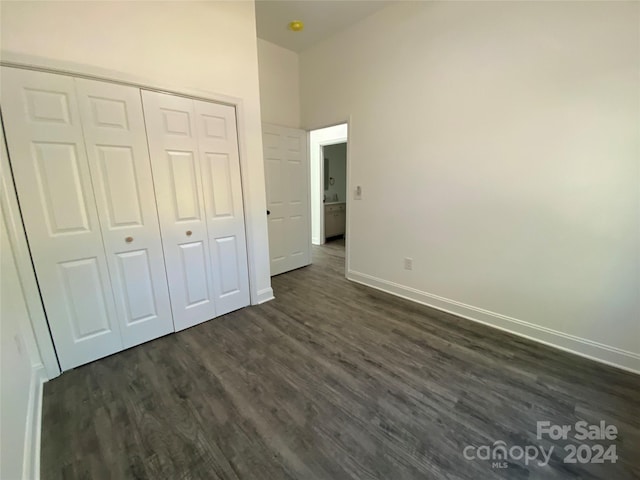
<point>196,172</point>
<point>116,143</point>
<point>101,292</point>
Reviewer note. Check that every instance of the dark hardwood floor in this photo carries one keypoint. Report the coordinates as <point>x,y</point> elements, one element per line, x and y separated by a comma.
<point>332,380</point>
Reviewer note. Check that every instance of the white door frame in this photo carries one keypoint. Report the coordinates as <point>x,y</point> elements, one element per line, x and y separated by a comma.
<point>61,67</point>
<point>317,163</point>
<point>323,238</point>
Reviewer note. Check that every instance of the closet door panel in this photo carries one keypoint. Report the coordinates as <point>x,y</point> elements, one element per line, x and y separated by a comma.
<point>86,305</point>
<point>177,177</point>
<point>227,254</point>
<point>138,294</point>
<point>194,260</point>
<point>218,145</point>
<point>49,163</point>
<point>114,133</point>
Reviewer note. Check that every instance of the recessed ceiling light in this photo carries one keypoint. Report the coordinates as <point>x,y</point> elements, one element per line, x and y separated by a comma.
<point>296,25</point>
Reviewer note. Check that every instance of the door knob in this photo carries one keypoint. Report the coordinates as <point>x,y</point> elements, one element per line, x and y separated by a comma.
<point>189,232</point>
<point>128,239</point>
<point>268,212</point>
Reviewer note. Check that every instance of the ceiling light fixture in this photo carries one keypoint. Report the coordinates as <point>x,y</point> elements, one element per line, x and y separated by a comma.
<point>296,25</point>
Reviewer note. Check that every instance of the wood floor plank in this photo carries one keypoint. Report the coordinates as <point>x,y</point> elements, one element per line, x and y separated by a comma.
<point>331,380</point>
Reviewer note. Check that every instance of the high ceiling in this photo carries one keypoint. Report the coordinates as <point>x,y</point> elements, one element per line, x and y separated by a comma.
<point>322,18</point>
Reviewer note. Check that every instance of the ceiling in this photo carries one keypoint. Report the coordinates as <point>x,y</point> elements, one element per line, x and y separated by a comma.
<point>322,18</point>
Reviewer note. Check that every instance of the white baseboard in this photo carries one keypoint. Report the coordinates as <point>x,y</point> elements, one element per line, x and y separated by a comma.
<point>33,429</point>
<point>580,346</point>
<point>264,295</point>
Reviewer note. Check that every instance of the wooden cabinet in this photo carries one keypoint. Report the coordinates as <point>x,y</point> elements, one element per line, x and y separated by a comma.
<point>335,219</point>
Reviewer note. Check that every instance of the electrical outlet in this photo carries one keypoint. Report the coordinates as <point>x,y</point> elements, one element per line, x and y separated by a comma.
<point>357,195</point>
<point>408,263</point>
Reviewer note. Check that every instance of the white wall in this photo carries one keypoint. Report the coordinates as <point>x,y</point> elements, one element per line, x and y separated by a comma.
<point>337,162</point>
<point>208,47</point>
<point>20,372</point>
<point>497,145</point>
<point>318,138</point>
<point>279,85</point>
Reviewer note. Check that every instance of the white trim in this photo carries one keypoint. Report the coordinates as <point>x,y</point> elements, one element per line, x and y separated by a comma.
<point>33,426</point>
<point>348,199</point>
<point>309,221</point>
<point>583,347</point>
<point>265,295</point>
<point>61,67</point>
<point>321,145</point>
<point>319,189</point>
<point>254,295</point>
<point>323,237</point>
<point>30,62</point>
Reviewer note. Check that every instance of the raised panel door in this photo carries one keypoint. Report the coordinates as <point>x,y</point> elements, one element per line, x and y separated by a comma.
<point>287,186</point>
<point>222,187</point>
<point>51,172</point>
<point>177,177</point>
<point>116,142</point>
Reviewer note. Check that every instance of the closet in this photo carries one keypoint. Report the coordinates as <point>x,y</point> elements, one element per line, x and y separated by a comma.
<point>132,204</point>
<point>194,153</point>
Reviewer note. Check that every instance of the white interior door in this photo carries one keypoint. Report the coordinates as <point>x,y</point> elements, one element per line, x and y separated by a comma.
<point>49,162</point>
<point>173,145</point>
<point>222,186</point>
<point>287,184</point>
<point>116,143</point>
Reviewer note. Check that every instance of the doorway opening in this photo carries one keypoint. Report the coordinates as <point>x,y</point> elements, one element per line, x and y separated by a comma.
<point>334,164</point>
<point>329,185</point>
